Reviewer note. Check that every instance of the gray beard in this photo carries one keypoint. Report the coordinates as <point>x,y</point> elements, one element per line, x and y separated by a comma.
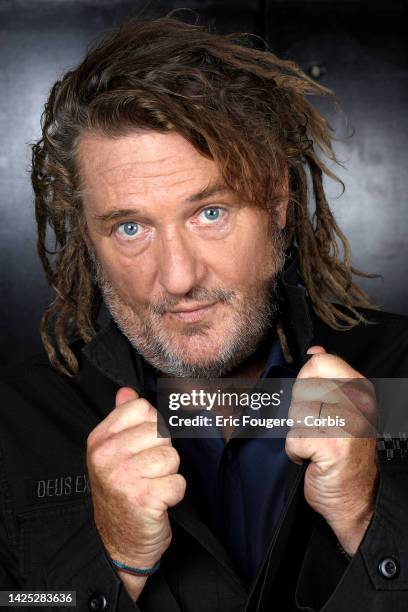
<point>156,349</point>
<point>255,318</point>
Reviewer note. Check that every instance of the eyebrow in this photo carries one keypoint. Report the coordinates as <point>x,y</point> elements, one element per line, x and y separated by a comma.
<point>203,194</point>
<point>207,192</point>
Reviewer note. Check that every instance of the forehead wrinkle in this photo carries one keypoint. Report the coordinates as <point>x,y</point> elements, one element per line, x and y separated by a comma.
<point>140,177</point>
<point>128,169</point>
<point>106,170</point>
<point>128,172</point>
<point>136,190</point>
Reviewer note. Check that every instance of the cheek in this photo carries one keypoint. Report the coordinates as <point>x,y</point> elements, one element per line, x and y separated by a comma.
<point>129,278</point>
<point>241,258</point>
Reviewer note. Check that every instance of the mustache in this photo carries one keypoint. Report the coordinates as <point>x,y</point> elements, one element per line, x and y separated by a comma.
<point>196,294</point>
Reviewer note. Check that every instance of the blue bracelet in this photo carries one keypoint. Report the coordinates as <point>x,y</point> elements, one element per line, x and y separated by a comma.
<point>136,571</point>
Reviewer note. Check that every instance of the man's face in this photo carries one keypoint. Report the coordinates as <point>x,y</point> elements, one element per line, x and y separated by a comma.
<point>187,268</point>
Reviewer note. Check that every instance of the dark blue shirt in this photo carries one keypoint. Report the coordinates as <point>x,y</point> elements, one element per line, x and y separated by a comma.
<point>240,485</point>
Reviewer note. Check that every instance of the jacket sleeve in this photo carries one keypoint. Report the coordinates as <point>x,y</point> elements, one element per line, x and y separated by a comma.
<point>81,566</point>
<point>376,578</point>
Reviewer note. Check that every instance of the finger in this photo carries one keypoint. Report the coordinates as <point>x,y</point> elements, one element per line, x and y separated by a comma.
<point>296,452</point>
<point>324,365</point>
<point>360,393</point>
<point>328,418</point>
<point>133,440</point>
<point>317,390</point>
<point>315,350</point>
<point>355,392</point>
<point>124,395</point>
<point>168,490</point>
<point>300,444</point>
<point>324,432</point>
<point>299,410</point>
<point>156,462</point>
<point>127,415</point>
<point>351,400</point>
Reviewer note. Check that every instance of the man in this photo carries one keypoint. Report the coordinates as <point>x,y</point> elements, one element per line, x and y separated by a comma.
<point>174,173</point>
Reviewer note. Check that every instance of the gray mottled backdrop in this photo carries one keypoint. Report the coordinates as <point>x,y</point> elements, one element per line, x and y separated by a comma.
<point>357,48</point>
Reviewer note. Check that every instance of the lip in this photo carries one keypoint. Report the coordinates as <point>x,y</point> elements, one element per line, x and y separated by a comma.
<point>192,314</point>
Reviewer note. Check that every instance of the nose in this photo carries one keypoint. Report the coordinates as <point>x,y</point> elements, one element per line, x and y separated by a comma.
<point>180,266</point>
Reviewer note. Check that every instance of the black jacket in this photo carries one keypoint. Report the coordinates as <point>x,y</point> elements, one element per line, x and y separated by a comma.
<point>48,539</point>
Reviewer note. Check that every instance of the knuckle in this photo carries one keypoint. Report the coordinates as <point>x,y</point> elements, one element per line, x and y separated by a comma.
<point>180,484</point>
<point>172,456</point>
<point>160,459</point>
<point>92,438</point>
<point>370,388</point>
<point>144,406</point>
<point>100,454</point>
<point>370,397</point>
<point>160,454</point>
<point>142,403</point>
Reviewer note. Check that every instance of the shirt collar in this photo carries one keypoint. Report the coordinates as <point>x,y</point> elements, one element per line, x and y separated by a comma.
<point>276,359</point>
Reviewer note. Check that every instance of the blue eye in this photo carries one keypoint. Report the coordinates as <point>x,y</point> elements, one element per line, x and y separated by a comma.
<point>211,214</point>
<point>128,230</point>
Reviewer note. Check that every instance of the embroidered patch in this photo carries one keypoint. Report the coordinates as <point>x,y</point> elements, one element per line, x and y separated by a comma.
<point>54,488</point>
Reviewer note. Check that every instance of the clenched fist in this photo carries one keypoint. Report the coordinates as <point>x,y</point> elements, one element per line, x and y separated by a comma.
<point>134,480</point>
<point>341,478</point>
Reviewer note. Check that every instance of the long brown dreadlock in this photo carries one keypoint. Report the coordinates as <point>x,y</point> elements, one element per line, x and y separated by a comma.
<point>243,107</point>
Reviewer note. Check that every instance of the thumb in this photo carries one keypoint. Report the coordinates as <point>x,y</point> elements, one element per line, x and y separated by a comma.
<point>315,350</point>
<point>124,395</point>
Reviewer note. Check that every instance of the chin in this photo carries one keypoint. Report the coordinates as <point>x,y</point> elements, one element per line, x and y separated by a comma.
<point>207,339</point>
<point>196,350</point>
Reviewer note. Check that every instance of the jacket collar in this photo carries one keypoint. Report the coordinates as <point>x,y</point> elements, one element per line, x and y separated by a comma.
<point>111,353</point>
<point>295,309</point>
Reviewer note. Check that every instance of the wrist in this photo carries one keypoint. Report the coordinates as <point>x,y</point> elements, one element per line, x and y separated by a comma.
<point>136,570</point>
<point>350,532</point>
<point>134,577</point>
<point>138,560</point>
<point>352,526</point>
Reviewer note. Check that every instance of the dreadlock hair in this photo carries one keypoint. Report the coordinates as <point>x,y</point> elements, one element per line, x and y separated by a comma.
<point>240,106</point>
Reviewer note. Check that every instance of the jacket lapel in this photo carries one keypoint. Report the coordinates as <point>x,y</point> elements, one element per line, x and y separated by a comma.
<point>295,312</point>
<point>186,515</point>
<point>112,355</point>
